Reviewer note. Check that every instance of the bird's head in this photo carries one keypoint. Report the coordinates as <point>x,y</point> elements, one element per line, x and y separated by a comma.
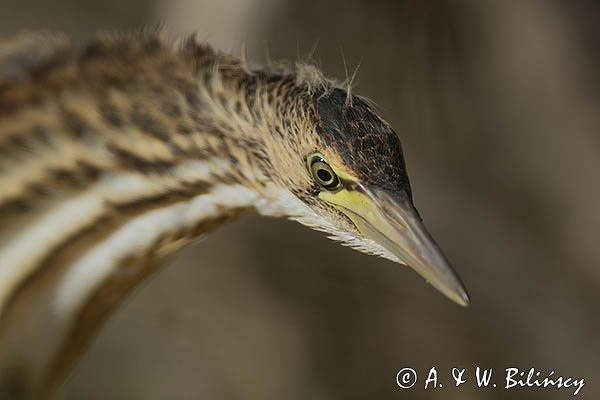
<point>345,165</point>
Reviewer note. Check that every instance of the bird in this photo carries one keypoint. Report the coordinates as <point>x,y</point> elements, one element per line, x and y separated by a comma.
<point>117,152</point>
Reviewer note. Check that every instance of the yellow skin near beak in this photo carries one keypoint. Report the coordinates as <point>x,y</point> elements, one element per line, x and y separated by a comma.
<point>395,225</point>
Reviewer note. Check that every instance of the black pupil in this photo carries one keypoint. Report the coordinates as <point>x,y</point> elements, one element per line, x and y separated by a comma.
<point>324,175</point>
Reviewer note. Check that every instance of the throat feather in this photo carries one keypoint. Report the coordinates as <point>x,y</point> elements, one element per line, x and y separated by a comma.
<point>138,218</point>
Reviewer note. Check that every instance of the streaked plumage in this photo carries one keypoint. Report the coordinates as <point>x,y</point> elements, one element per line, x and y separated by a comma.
<point>116,154</point>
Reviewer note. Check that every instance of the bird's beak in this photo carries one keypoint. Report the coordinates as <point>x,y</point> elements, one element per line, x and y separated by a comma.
<point>395,224</point>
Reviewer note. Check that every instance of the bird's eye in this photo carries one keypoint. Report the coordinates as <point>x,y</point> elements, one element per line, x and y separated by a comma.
<point>323,173</point>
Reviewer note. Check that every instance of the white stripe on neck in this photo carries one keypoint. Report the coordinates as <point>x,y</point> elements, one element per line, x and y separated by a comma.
<point>20,257</point>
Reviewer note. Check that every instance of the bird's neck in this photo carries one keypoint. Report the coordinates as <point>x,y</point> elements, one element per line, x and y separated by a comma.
<point>121,162</point>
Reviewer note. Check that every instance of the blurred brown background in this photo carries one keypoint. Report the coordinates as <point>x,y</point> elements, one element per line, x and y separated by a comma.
<point>497,105</point>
